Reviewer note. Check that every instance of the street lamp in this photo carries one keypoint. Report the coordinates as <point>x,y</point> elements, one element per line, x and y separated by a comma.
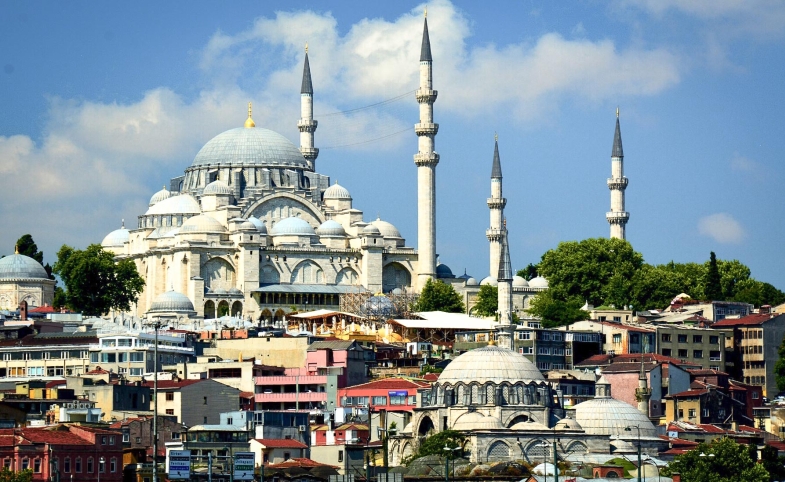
<point>545,446</point>
<point>100,467</point>
<point>629,429</point>
<point>229,462</point>
<point>157,324</point>
<point>449,455</point>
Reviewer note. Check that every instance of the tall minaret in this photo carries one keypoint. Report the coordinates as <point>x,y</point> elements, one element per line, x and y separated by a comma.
<point>426,160</point>
<point>504,279</point>
<point>306,124</point>
<point>617,217</point>
<point>643,392</point>
<point>496,205</point>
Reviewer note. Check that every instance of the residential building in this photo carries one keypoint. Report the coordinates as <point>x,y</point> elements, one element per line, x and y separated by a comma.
<point>133,354</point>
<point>619,338</point>
<point>235,373</point>
<point>610,313</point>
<point>341,445</point>
<point>231,434</point>
<point>575,386</point>
<point>705,405</point>
<point>707,433</point>
<point>683,308</point>
<point>692,344</point>
<point>755,342</point>
<point>137,433</point>
<point>46,356</point>
<point>275,451</point>
<point>195,402</point>
<point>117,398</point>
<point>391,394</point>
<point>46,406</point>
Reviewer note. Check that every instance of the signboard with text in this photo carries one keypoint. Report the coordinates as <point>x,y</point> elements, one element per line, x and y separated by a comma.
<point>179,464</point>
<point>244,463</point>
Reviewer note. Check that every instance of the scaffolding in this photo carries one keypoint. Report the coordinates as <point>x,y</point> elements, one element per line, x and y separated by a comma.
<point>378,306</point>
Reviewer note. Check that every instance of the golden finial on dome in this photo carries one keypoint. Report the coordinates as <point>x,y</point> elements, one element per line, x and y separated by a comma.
<point>249,121</point>
<point>491,342</point>
<point>16,249</point>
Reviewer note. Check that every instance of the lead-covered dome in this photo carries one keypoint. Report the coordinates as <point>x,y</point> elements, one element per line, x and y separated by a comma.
<point>180,204</point>
<point>538,282</point>
<point>160,196</point>
<point>519,282</point>
<point>443,271</point>
<point>250,147</point>
<point>217,187</point>
<point>387,229</point>
<point>477,421</point>
<point>19,266</point>
<point>202,224</point>
<point>292,226</point>
<point>258,223</point>
<point>490,364</point>
<point>336,191</point>
<point>172,301</point>
<point>489,280</point>
<point>604,415</point>
<point>331,228</point>
<point>116,239</point>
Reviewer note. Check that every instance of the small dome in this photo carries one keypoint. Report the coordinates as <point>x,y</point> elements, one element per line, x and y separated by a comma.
<point>538,282</point>
<point>443,271</point>
<point>220,291</point>
<point>180,204</point>
<point>371,230</point>
<point>568,424</point>
<point>247,226</point>
<point>519,282</point>
<point>490,364</point>
<point>217,187</point>
<point>477,421</point>
<point>160,196</point>
<point>331,228</point>
<point>172,301</point>
<point>471,282</point>
<point>235,291</point>
<point>530,425</point>
<point>292,226</point>
<point>490,280</point>
<point>259,224</point>
<point>336,191</point>
<point>387,229</point>
<point>19,266</point>
<point>202,224</point>
<point>604,415</point>
<point>116,239</point>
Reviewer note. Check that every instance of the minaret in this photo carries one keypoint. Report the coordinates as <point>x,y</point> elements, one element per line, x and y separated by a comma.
<point>643,392</point>
<point>426,160</point>
<point>306,124</point>
<point>617,217</point>
<point>496,205</point>
<point>504,279</point>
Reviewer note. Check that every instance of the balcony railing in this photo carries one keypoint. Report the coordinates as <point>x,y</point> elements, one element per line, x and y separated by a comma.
<point>292,380</point>
<point>291,397</point>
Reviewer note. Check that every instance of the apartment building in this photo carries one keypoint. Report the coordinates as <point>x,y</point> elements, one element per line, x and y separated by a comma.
<point>133,354</point>
<point>619,338</point>
<point>693,344</point>
<point>195,402</point>
<point>46,355</point>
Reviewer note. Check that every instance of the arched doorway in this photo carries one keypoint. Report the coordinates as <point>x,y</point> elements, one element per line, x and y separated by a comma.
<point>237,309</point>
<point>266,316</point>
<point>426,426</point>
<point>223,308</point>
<point>518,419</point>
<point>209,309</point>
<point>279,314</point>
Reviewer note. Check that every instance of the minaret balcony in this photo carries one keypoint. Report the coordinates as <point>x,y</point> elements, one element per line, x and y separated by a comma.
<point>497,203</point>
<point>310,153</point>
<point>426,96</point>
<point>617,217</point>
<point>619,183</point>
<point>426,159</point>
<point>307,125</point>
<point>495,235</point>
<point>426,129</point>
<point>642,394</point>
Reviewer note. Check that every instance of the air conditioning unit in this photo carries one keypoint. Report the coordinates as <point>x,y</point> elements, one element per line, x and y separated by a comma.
<point>301,428</point>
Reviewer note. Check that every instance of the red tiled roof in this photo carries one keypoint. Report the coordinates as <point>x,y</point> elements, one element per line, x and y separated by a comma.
<point>54,383</point>
<point>755,319</point>
<point>390,384</point>
<point>705,372</point>
<point>247,395</point>
<point>97,371</point>
<point>55,436</point>
<point>690,393</point>
<point>281,443</point>
<point>43,309</point>
<point>631,358</point>
<point>300,462</point>
<point>430,377</point>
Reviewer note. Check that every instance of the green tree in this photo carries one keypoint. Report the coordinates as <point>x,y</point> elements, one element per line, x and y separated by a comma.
<point>487,301</point>
<point>528,272</point>
<point>21,476</point>
<point>773,462</point>
<point>554,312</point>
<point>439,296</point>
<point>779,368</point>
<point>723,461</point>
<point>434,445</point>
<point>713,281</point>
<point>758,293</point>
<point>94,282</point>
<point>653,287</point>
<point>26,246</point>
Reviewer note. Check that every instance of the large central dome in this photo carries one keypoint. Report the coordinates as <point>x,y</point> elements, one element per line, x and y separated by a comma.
<point>248,147</point>
<point>490,364</point>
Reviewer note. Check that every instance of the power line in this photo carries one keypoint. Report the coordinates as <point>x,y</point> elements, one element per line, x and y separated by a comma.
<point>386,101</point>
<point>408,129</point>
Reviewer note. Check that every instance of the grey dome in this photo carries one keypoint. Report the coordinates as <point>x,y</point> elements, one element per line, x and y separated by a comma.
<point>336,191</point>
<point>172,301</point>
<point>443,271</point>
<point>160,196</point>
<point>247,226</point>
<point>489,280</point>
<point>202,224</point>
<point>217,187</point>
<point>250,147</point>
<point>258,223</point>
<point>490,364</point>
<point>180,204</point>
<point>538,282</point>
<point>477,421</point>
<point>387,229</point>
<point>519,282</point>
<point>371,230</point>
<point>331,228</point>
<point>604,415</point>
<point>116,238</point>
<point>471,282</point>
<point>19,266</point>
<point>292,226</point>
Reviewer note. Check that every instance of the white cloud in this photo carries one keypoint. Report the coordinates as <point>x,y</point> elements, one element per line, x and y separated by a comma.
<point>722,228</point>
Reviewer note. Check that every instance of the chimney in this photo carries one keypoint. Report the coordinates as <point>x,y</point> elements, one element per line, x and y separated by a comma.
<point>23,310</point>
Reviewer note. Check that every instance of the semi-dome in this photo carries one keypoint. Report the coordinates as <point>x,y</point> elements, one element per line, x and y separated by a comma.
<point>292,226</point>
<point>258,223</point>
<point>180,204</point>
<point>338,192</point>
<point>160,196</point>
<point>529,425</point>
<point>443,271</point>
<point>217,187</point>
<point>116,238</point>
<point>568,424</point>
<point>388,230</point>
<point>538,282</point>
<point>519,282</point>
<point>371,230</point>
<point>490,364</point>
<point>604,415</point>
<point>19,266</point>
<point>172,301</point>
<point>477,421</point>
<point>489,280</point>
<point>331,228</point>
<point>202,224</point>
<point>250,147</point>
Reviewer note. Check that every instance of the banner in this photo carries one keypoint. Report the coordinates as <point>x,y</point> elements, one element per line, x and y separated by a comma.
<point>179,464</point>
<point>244,463</point>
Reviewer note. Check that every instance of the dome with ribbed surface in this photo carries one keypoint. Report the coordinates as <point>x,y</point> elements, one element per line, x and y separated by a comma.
<point>490,364</point>
<point>604,415</point>
<point>259,224</point>
<point>538,282</point>
<point>172,301</point>
<point>477,421</point>
<point>180,204</point>
<point>331,228</point>
<point>216,187</point>
<point>202,224</point>
<point>19,266</point>
<point>387,229</point>
<point>116,239</point>
<point>292,226</point>
<point>336,191</point>
<point>255,147</point>
<point>160,196</point>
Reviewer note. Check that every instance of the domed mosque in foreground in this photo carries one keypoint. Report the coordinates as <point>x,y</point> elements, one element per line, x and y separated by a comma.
<point>23,279</point>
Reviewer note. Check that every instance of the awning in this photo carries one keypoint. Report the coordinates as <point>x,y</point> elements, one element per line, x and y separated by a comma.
<point>448,321</point>
<point>310,289</point>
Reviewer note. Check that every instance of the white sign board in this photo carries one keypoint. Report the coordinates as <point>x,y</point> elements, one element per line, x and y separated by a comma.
<point>179,464</point>
<point>244,463</point>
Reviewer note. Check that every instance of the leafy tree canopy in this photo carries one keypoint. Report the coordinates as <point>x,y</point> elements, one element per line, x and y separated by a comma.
<point>21,476</point>
<point>529,272</point>
<point>724,461</point>
<point>439,296</point>
<point>773,462</point>
<point>94,282</point>
<point>555,312</point>
<point>26,246</point>
<point>487,301</point>
<point>434,445</point>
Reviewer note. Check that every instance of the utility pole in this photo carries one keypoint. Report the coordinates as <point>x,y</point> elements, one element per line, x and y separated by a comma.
<point>156,324</point>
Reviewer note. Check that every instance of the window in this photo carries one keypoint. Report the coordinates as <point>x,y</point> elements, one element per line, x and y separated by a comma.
<point>170,397</point>
<point>101,465</point>
<point>175,435</point>
<point>138,440</point>
<point>37,466</point>
<point>94,357</point>
<point>7,463</point>
<point>90,465</point>
<point>682,353</point>
<point>113,465</point>
<point>755,395</point>
<point>136,372</point>
<point>715,355</point>
<point>524,335</point>
<point>697,353</point>
<point>666,338</point>
<point>170,411</point>
<point>697,338</point>
<point>288,455</point>
<point>382,400</point>
<point>705,412</point>
<point>25,463</point>
<point>205,400</point>
<point>340,456</point>
<point>67,465</point>
<point>78,465</point>
<point>714,340</point>
<point>666,352</point>
<point>398,399</point>
<point>617,338</point>
<point>682,338</point>
<point>126,437</point>
<point>111,440</point>
<point>103,439</point>
<point>692,413</point>
<point>137,356</point>
<point>526,350</point>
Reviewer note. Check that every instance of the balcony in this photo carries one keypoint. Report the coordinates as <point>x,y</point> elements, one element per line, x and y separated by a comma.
<point>292,380</point>
<point>291,397</point>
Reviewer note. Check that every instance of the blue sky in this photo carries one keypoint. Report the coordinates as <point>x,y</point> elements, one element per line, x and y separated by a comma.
<point>102,103</point>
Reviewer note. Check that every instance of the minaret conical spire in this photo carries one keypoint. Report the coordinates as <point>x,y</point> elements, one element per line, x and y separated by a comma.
<point>496,170</point>
<point>425,50</point>
<point>617,217</point>
<point>505,266</point>
<point>496,203</point>
<point>617,149</point>
<point>307,125</point>
<point>307,87</point>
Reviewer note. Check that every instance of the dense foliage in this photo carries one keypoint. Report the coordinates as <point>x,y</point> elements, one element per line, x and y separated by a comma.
<point>439,296</point>
<point>773,462</point>
<point>26,246</point>
<point>604,271</point>
<point>21,476</point>
<point>94,282</point>
<point>487,301</point>
<point>723,461</point>
<point>434,445</point>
